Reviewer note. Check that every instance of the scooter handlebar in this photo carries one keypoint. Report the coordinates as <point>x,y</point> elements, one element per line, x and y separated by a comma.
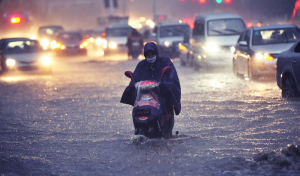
<point>165,70</point>
<point>129,74</point>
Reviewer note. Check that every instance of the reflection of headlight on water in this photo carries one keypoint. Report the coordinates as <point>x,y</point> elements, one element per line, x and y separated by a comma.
<point>112,45</point>
<point>211,47</point>
<point>46,60</point>
<point>10,62</point>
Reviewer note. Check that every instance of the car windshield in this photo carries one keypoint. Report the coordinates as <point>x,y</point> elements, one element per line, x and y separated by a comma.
<point>118,32</point>
<point>174,30</point>
<point>225,27</point>
<point>69,37</point>
<point>22,46</point>
<point>275,36</point>
<point>50,30</point>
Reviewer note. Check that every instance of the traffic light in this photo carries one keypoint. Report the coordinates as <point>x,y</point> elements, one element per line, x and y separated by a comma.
<point>202,1</point>
<point>219,1</point>
<point>227,1</point>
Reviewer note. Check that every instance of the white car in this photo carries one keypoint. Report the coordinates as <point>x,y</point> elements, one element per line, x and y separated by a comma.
<point>257,49</point>
<point>213,36</point>
<point>23,55</point>
<point>115,38</point>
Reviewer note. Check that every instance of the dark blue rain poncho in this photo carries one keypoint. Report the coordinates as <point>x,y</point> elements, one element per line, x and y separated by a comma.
<point>170,84</point>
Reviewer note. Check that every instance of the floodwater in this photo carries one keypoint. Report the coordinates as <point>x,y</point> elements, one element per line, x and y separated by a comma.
<point>71,123</point>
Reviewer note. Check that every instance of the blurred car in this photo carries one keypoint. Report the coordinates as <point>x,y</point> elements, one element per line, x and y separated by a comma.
<point>71,43</point>
<point>23,55</point>
<point>47,35</point>
<point>16,23</point>
<point>94,38</point>
<point>288,71</point>
<point>257,49</point>
<point>115,38</point>
<point>168,36</point>
<point>212,38</point>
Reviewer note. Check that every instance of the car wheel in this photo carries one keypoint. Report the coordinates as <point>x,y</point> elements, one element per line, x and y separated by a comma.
<point>289,89</point>
<point>251,74</point>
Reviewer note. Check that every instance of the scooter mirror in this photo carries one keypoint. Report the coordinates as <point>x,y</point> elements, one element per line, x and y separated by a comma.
<point>129,74</point>
<point>165,70</point>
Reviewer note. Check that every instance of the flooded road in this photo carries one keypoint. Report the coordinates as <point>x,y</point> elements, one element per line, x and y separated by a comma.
<point>71,123</point>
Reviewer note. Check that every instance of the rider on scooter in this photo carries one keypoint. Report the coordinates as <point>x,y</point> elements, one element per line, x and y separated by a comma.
<point>134,37</point>
<point>151,69</point>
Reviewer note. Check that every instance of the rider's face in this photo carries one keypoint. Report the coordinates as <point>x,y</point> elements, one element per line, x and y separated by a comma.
<point>150,54</point>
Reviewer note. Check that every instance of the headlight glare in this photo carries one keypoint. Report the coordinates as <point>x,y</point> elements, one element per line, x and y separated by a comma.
<point>112,45</point>
<point>212,47</point>
<point>265,56</point>
<point>10,62</point>
<point>167,43</point>
<point>46,60</point>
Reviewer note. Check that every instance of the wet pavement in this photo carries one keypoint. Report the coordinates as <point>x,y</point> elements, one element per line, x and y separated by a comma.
<point>71,123</point>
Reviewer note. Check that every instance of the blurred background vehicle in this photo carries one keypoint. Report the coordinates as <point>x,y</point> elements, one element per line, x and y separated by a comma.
<point>212,38</point>
<point>115,38</point>
<point>23,55</point>
<point>94,38</point>
<point>168,36</point>
<point>257,49</point>
<point>135,44</point>
<point>16,23</point>
<point>288,71</point>
<point>47,35</point>
<point>71,43</point>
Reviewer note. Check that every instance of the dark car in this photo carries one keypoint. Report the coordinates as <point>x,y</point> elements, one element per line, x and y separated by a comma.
<point>257,49</point>
<point>288,71</point>
<point>16,23</point>
<point>168,36</point>
<point>23,55</point>
<point>47,35</point>
<point>70,43</point>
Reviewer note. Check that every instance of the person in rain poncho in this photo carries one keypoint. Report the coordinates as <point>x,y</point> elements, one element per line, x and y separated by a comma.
<point>151,69</point>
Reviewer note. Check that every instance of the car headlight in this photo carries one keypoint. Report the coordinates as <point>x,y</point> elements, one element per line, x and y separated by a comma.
<point>262,56</point>
<point>10,62</point>
<point>57,45</point>
<point>45,42</point>
<point>98,41</point>
<point>46,60</point>
<point>83,45</point>
<point>211,47</point>
<point>53,44</point>
<point>112,45</point>
<point>167,43</point>
<point>232,48</point>
<point>92,40</point>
